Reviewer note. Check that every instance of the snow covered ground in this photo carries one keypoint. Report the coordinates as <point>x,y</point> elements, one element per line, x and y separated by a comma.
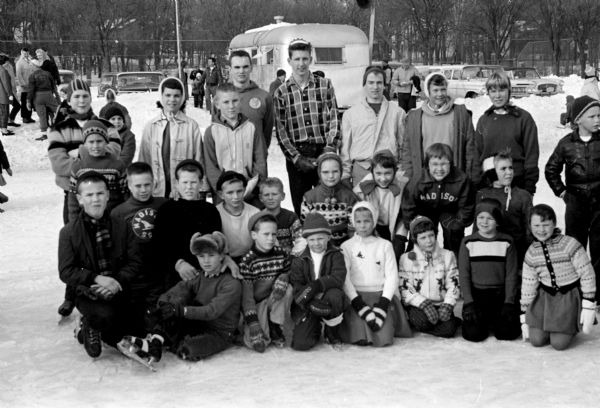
<point>42,365</point>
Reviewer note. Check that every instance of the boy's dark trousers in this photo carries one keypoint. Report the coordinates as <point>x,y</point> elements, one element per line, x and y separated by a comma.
<point>110,317</point>
<point>301,182</point>
<point>16,107</point>
<point>582,222</point>
<point>25,113</point>
<point>307,328</point>
<point>490,303</point>
<point>406,101</point>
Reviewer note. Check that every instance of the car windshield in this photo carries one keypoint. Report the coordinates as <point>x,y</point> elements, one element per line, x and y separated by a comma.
<point>107,79</point>
<point>478,72</point>
<point>525,73</point>
<point>139,79</point>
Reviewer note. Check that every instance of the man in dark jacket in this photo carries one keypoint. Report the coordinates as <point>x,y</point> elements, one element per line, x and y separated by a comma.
<point>211,78</point>
<point>99,258</point>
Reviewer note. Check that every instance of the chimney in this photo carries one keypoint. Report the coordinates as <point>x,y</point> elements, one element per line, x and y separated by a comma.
<point>278,19</point>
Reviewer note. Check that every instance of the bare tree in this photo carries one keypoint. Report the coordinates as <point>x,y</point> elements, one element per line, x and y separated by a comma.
<point>430,18</point>
<point>549,16</point>
<point>581,18</point>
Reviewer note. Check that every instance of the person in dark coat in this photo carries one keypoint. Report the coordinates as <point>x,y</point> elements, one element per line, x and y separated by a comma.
<point>100,259</point>
<point>211,78</point>
<point>278,81</point>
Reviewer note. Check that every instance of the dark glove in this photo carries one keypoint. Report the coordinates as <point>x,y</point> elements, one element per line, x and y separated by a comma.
<point>363,310</point>
<point>279,287</point>
<point>430,311</point>
<point>319,307</point>
<point>471,313</point>
<point>399,243</point>
<point>380,310</point>
<point>308,293</point>
<point>445,311</point>
<point>509,312</point>
<point>168,311</point>
<point>305,165</point>
<point>452,223</point>
<point>257,337</point>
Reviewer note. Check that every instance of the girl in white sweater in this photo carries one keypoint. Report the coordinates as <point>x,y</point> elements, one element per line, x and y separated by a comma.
<point>376,315</point>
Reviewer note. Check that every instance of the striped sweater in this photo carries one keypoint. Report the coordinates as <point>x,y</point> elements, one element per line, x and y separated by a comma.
<point>259,271</point>
<point>569,262</point>
<point>488,263</point>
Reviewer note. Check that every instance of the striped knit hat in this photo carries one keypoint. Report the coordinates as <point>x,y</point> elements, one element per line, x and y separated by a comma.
<point>95,127</point>
<point>582,104</point>
<point>77,85</point>
<point>315,223</point>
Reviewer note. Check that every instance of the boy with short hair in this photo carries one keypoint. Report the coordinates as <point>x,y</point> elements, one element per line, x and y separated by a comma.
<point>117,117</point>
<point>232,142</point>
<point>176,222</point>
<point>95,156</point>
<point>317,276</point>
<point>99,258</point>
<point>443,193</point>
<point>139,212</point>
<point>578,154</point>
<point>488,270</point>
<point>289,228</point>
<point>196,318</point>
<point>383,188</point>
<point>235,213</point>
<point>266,294</point>
<point>331,198</point>
<point>429,282</point>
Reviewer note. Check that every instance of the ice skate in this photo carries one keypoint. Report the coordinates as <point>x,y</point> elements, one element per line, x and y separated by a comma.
<point>130,349</point>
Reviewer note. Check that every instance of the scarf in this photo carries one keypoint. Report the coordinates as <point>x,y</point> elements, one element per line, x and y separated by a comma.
<point>81,116</point>
<point>103,243</point>
<point>442,110</point>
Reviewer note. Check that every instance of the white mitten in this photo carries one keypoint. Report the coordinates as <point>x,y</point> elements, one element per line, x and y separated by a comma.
<point>524,328</point>
<point>299,246</point>
<point>588,315</point>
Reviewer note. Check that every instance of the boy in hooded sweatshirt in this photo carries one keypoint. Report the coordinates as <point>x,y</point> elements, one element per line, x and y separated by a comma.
<point>376,315</point>
<point>429,282</point>
<point>232,142</point>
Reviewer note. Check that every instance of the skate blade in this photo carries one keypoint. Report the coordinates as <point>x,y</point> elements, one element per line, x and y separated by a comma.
<point>129,350</point>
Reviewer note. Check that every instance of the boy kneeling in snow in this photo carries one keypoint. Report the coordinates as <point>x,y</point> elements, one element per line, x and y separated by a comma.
<point>100,259</point>
<point>196,318</point>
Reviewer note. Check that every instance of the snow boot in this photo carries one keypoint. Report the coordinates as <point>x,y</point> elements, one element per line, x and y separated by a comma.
<point>92,341</point>
<point>66,308</point>
<point>276,333</point>
<point>78,332</point>
<point>332,334</point>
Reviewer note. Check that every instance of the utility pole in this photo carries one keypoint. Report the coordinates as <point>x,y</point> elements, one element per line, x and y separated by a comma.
<point>179,68</point>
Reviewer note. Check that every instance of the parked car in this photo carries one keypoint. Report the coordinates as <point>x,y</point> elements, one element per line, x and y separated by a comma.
<point>66,76</point>
<point>138,81</point>
<point>527,81</point>
<point>107,81</point>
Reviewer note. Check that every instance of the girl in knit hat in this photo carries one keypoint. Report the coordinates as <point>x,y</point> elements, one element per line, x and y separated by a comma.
<point>429,282</point>
<point>487,264</point>
<point>559,285</point>
<point>119,118</point>
<point>196,318</point>
<point>578,154</point>
<point>95,156</point>
<point>515,202</point>
<point>331,198</point>
<point>376,315</point>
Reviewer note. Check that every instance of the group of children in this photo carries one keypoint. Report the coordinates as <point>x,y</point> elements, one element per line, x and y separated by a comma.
<point>364,263</point>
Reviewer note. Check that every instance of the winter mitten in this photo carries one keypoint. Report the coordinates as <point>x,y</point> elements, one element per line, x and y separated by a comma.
<point>362,309</point>
<point>508,313</point>
<point>257,337</point>
<point>445,311</point>
<point>308,293</point>
<point>451,223</point>
<point>305,164</point>
<point>319,307</point>
<point>279,287</point>
<point>399,243</point>
<point>524,327</point>
<point>588,315</point>
<point>168,311</point>
<point>430,311</point>
<point>471,313</point>
<point>380,310</point>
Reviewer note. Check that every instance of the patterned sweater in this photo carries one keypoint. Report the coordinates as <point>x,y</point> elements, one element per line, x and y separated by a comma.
<point>557,262</point>
<point>433,277</point>
<point>260,270</point>
<point>335,204</point>
<point>288,229</point>
<point>488,263</point>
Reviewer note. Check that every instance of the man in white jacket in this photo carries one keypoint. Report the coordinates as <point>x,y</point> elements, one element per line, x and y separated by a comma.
<point>372,125</point>
<point>24,68</point>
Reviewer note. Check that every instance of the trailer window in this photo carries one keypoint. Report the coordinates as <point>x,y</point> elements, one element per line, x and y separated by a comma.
<point>328,56</point>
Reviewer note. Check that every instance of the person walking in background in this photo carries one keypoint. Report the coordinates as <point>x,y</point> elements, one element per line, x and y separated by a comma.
<point>16,106</point>
<point>42,55</point>
<point>198,90</point>
<point>402,82</point>
<point>211,78</point>
<point>43,94</point>
<point>5,98</point>
<point>24,69</point>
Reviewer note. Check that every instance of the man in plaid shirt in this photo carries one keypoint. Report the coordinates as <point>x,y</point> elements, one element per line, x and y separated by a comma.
<point>307,122</point>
